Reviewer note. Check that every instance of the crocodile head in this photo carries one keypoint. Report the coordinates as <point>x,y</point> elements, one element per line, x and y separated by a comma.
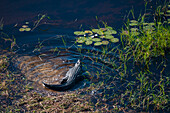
<point>77,63</point>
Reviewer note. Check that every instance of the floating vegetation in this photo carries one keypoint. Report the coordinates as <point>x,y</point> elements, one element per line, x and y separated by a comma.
<point>25,27</point>
<point>88,42</point>
<point>114,40</point>
<point>105,42</point>
<point>79,33</point>
<point>101,36</point>
<point>133,23</point>
<point>96,39</point>
<point>98,43</point>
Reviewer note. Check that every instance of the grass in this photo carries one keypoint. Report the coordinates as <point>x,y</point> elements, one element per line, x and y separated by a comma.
<point>142,44</point>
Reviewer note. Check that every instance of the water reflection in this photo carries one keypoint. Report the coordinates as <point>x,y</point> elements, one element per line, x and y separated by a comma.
<point>68,14</point>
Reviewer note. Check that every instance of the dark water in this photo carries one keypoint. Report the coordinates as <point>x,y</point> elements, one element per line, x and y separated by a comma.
<point>69,14</point>
<point>65,16</point>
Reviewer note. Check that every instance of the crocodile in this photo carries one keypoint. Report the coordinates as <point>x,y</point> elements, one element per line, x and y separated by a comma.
<point>68,81</point>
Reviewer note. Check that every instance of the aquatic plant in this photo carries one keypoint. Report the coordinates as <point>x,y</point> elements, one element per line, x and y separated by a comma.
<point>25,27</point>
<point>146,40</point>
<point>97,37</point>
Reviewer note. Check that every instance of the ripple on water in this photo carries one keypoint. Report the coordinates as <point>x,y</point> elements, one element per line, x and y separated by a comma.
<point>44,67</point>
<point>51,67</point>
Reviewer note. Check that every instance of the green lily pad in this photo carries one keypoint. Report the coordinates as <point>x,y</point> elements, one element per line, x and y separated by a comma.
<point>169,6</point>
<point>88,42</point>
<point>102,36</point>
<point>88,32</point>
<point>109,37</point>
<point>81,39</point>
<point>80,45</point>
<point>133,24</point>
<point>22,29</point>
<point>109,32</point>
<point>27,29</point>
<point>97,43</point>
<point>95,30</point>
<point>26,22</point>
<point>24,26</point>
<point>96,39</point>
<point>114,40</point>
<point>89,39</point>
<point>79,33</point>
<point>105,42</point>
<point>134,29</point>
<point>134,21</point>
<point>103,29</point>
<point>146,28</point>
<point>98,31</point>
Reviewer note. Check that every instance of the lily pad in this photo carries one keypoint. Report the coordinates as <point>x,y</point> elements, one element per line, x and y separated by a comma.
<point>81,39</point>
<point>114,40</point>
<point>24,26</point>
<point>109,37</point>
<point>79,33</point>
<point>134,29</point>
<point>96,39</point>
<point>108,32</point>
<point>146,28</point>
<point>88,42</point>
<point>105,42</point>
<point>133,24</point>
<point>95,30</point>
<point>89,38</point>
<point>22,29</point>
<point>103,29</point>
<point>27,29</point>
<point>26,22</point>
<point>98,31</point>
<point>79,45</point>
<point>97,43</point>
<point>134,21</point>
<point>88,32</point>
<point>102,36</point>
